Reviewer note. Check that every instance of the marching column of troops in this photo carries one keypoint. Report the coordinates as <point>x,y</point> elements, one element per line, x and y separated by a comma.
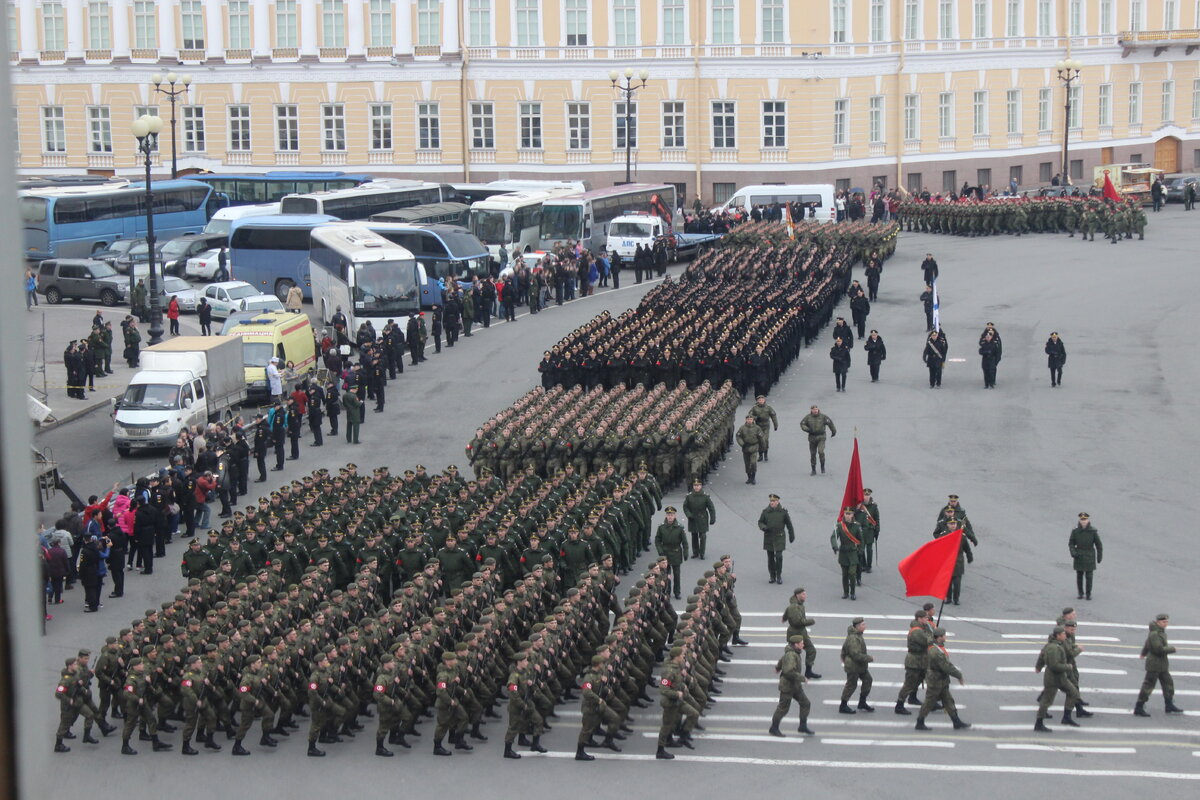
<point>1115,219</point>
<point>329,598</point>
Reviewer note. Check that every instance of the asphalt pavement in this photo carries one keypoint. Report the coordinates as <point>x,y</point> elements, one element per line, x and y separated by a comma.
<point>1116,440</point>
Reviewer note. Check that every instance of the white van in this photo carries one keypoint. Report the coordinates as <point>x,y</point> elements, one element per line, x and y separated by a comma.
<point>223,219</point>
<point>807,194</point>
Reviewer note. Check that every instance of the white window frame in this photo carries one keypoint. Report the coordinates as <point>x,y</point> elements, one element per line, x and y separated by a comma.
<point>1107,12</point>
<point>527,29</point>
<point>1196,98</point>
<point>878,21</point>
<point>674,125</point>
<point>841,25</point>
<point>429,126</point>
<point>287,24</point>
<point>1075,121</point>
<point>669,26</point>
<point>1076,18</point>
<point>979,112</point>
<point>99,129</point>
<point>1135,103</point>
<point>981,18</point>
<point>1137,15</point>
<point>1104,97</point>
<point>287,128</point>
<point>529,125</point>
<point>480,30</point>
<point>1045,18</point>
<point>947,19</point>
<point>333,27</point>
<point>946,120</point>
<point>1013,19</point>
<point>912,20</point>
<point>191,24</point>
<point>380,27</point>
<point>195,136</point>
<point>619,132</point>
<point>239,129</point>
<point>333,127</point>
<point>382,131</point>
<point>429,23</point>
<point>579,126</point>
<point>724,124</point>
<point>772,21</point>
<point>1170,14</point>
<point>729,7</point>
<point>1045,110</point>
<point>1012,112</point>
<point>841,121</point>
<point>241,34</point>
<point>1167,105</point>
<point>483,125</point>
<point>912,117</point>
<point>625,23</point>
<point>572,11</point>
<point>774,124</point>
<point>145,25</point>
<point>54,26</point>
<point>99,25</point>
<point>54,129</point>
<point>875,119</point>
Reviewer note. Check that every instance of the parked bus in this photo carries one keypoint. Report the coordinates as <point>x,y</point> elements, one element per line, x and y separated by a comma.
<point>271,253</point>
<point>271,187</point>
<point>222,221</point>
<point>584,217</point>
<point>427,214</point>
<point>367,200</point>
<point>76,222</point>
<point>473,192</point>
<point>447,252</point>
<point>511,220</point>
<point>363,274</point>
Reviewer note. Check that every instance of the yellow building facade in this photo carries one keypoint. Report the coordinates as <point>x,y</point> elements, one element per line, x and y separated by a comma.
<point>919,93</point>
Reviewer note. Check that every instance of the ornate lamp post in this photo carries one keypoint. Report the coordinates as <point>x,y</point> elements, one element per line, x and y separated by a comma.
<point>145,129</point>
<point>172,94</point>
<point>1068,73</point>
<point>628,89</point>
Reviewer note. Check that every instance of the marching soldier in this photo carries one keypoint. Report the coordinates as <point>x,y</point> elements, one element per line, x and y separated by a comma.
<point>798,623</point>
<point>916,661</point>
<point>672,688</point>
<point>764,417</point>
<point>791,687</point>
<point>937,683</point>
<point>700,513</point>
<point>855,661</point>
<point>1156,651</point>
<point>845,541</point>
<point>1056,675</point>
<point>523,716</point>
<point>671,541</point>
<point>750,439</point>
<point>815,424</point>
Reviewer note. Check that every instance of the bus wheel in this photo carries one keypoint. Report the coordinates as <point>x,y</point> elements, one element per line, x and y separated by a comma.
<point>98,246</point>
<point>281,288</point>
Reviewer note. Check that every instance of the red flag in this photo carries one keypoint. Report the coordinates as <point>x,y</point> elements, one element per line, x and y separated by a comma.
<point>854,484</point>
<point>928,569</point>
<point>1110,191</point>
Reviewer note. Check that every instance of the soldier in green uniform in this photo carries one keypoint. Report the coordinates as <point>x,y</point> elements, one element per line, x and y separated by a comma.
<point>774,522</point>
<point>791,687</point>
<point>134,698</point>
<point>672,689</point>
<point>798,623</point>
<point>750,439</point>
<point>597,710</point>
<point>354,415</point>
<point>197,703</point>
<point>700,513</point>
<point>1086,553</point>
<point>764,417</point>
<point>523,716</point>
<point>916,660</point>
<point>70,694</point>
<point>845,541</point>
<point>196,560</point>
<point>321,703</point>
<point>867,516</point>
<point>949,523</point>
<point>1056,674</point>
<point>252,705</point>
<point>671,541</point>
<point>451,714</point>
<point>815,424</point>
<point>1156,651</point>
<point>856,663</point>
<point>937,683</point>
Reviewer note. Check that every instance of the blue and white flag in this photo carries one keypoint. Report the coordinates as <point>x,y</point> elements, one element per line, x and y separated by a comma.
<point>937,325</point>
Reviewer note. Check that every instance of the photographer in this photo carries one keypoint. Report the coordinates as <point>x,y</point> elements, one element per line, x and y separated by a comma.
<point>92,571</point>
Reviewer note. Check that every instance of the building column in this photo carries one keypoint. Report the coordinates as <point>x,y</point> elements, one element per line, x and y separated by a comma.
<point>28,23</point>
<point>120,28</point>
<point>75,28</point>
<point>214,28</point>
<point>260,15</point>
<point>355,33</point>
<point>450,26</point>
<point>167,43</point>
<point>308,27</point>
<point>403,22</point>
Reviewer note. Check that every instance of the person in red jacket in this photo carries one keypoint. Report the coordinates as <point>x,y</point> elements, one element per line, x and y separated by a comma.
<point>204,484</point>
<point>173,315</point>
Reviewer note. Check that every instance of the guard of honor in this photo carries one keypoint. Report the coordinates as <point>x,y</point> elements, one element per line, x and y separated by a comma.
<point>1017,215</point>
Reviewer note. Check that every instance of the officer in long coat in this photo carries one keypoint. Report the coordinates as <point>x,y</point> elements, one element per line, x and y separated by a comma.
<point>775,522</point>
<point>671,541</point>
<point>1086,553</point>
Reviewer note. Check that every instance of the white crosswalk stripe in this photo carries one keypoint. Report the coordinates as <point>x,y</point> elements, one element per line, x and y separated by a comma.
<point>1051,748</point>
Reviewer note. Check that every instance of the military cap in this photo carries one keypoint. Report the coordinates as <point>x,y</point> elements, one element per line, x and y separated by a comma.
<point>939,632</point>
<point>84,652</point>
<point>210,648</point>
<point>222,638</point>
<point>772,496</point>
<point>1084,515</point>
<point>111,640</point>
<point>1059,629</point>
<point>449,655</point>
<point>952,497</point>
<point>597,660</point>
<point>857,621</point>
<point>133,662</point>
<point>525,645</point>
<point>70,661</point>
<point>1070,623</point>
<point>192,659</point>
<point>921,614</point>
<point>669,510</point>
<point>1161,618</point>
<point>794,639</point>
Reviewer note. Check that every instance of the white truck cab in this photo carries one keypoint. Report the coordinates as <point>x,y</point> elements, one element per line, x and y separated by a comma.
<point>627,231</point>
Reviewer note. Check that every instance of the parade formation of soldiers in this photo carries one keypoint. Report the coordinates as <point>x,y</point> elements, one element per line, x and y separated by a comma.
<point>1083,215</point>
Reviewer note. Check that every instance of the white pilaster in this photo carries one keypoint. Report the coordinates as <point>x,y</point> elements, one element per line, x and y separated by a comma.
<point>167,43</point>
<point>75,28</point>
<point>450,26</point>
<point>28,23</point>
<point>403,21</point>
<point>214,28</point>
<point>355,33</point>
<point>120,28</point>
<point>260,16</point>
<point>308,27</point>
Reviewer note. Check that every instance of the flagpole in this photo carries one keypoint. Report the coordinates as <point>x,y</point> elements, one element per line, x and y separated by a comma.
<point>938,624</point>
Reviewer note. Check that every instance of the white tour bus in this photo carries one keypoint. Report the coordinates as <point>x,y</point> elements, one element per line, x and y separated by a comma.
<point>584,217</point>
<point>365,200</point>
<point>222,221</point>
<point>512,220</point>
<point>807,194</point>
<point>369,277</point>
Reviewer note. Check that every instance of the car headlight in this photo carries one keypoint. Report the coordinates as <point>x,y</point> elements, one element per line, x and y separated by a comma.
<point>161,428</point>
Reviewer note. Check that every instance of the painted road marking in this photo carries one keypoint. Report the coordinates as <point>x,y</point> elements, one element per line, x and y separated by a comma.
<point>1041,636</point>
<point>1083,670</point>
<point>856,765</point>
<point>987,652</point>
<point>888,743</point>
<point>734,737</point>
<point>1060,748</point>
<point>1140,626</point>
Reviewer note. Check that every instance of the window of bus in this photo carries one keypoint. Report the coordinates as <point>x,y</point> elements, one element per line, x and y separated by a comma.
<point>385,287</point>
<point>33,209</point>
<point>491,227</point>
<point>561,222</point>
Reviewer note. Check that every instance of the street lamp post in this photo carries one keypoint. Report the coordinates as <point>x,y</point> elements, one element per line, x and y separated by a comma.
<point>627,90</point>
<point>1068,73</point>
<point>145,129</point>
<point>172,94</point>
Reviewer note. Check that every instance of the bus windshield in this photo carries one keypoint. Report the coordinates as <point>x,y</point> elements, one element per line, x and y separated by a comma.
<point>385,287</point>
<point>33,209</point>
<point>256,354</point>
<point>561,222</point>
<point>491,227</point>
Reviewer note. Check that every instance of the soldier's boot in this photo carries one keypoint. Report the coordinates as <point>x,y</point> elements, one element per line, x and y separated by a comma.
<point>583,755</point>
<point>901,710</point>
<point>822,465</point>
<point>1139,709</point>
<point>663,754</point>
<point>685,739</point>
<point>238,750</point>
<point>266,741</point>
<point>536,745</point>
<point>88,738</point>
<point>673,742</point>
<point>610,743</point>
<point>187,748</point>
<point>1171,708</point>
<point>105,728</point>
<point>477,735</point>
<point>209,744</point>
<point>490,711</point>
<point>509,752</point>
<point>1066,719</point>
<point>862,703</point>
<point>808,672</point>
<point>166,728</point>
<point>59,747</point>
<point>400,740</point>
<point>739,641</point>
<point>380,750</point>
<point>912,699</point>
<point>438,750</point>
<point>765,456</point>
<point>804,727</point>
<point>1082,712</point>
<point>313,751</point>
<point>126,750</point>
<point>345,731</point>
<point>460,742</point>
<point>523,740</point>
<point>959,725</point>
<point>845,708</point>
<point>144,736</point>
<point>1040,726</point>
<point>921,726</point>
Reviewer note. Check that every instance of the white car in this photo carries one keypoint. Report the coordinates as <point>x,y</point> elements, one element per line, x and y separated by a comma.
<point>226,297</point>
<point>187,295</point>
<point>204,266</point>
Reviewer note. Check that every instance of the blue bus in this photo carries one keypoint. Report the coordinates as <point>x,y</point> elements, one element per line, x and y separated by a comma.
<point>447,252</point>
<point>271,252</point>
<point>78,221</point>
<point>270,187</point>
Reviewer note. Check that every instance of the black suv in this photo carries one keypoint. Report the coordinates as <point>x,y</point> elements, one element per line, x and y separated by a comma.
<point>79,279</point>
